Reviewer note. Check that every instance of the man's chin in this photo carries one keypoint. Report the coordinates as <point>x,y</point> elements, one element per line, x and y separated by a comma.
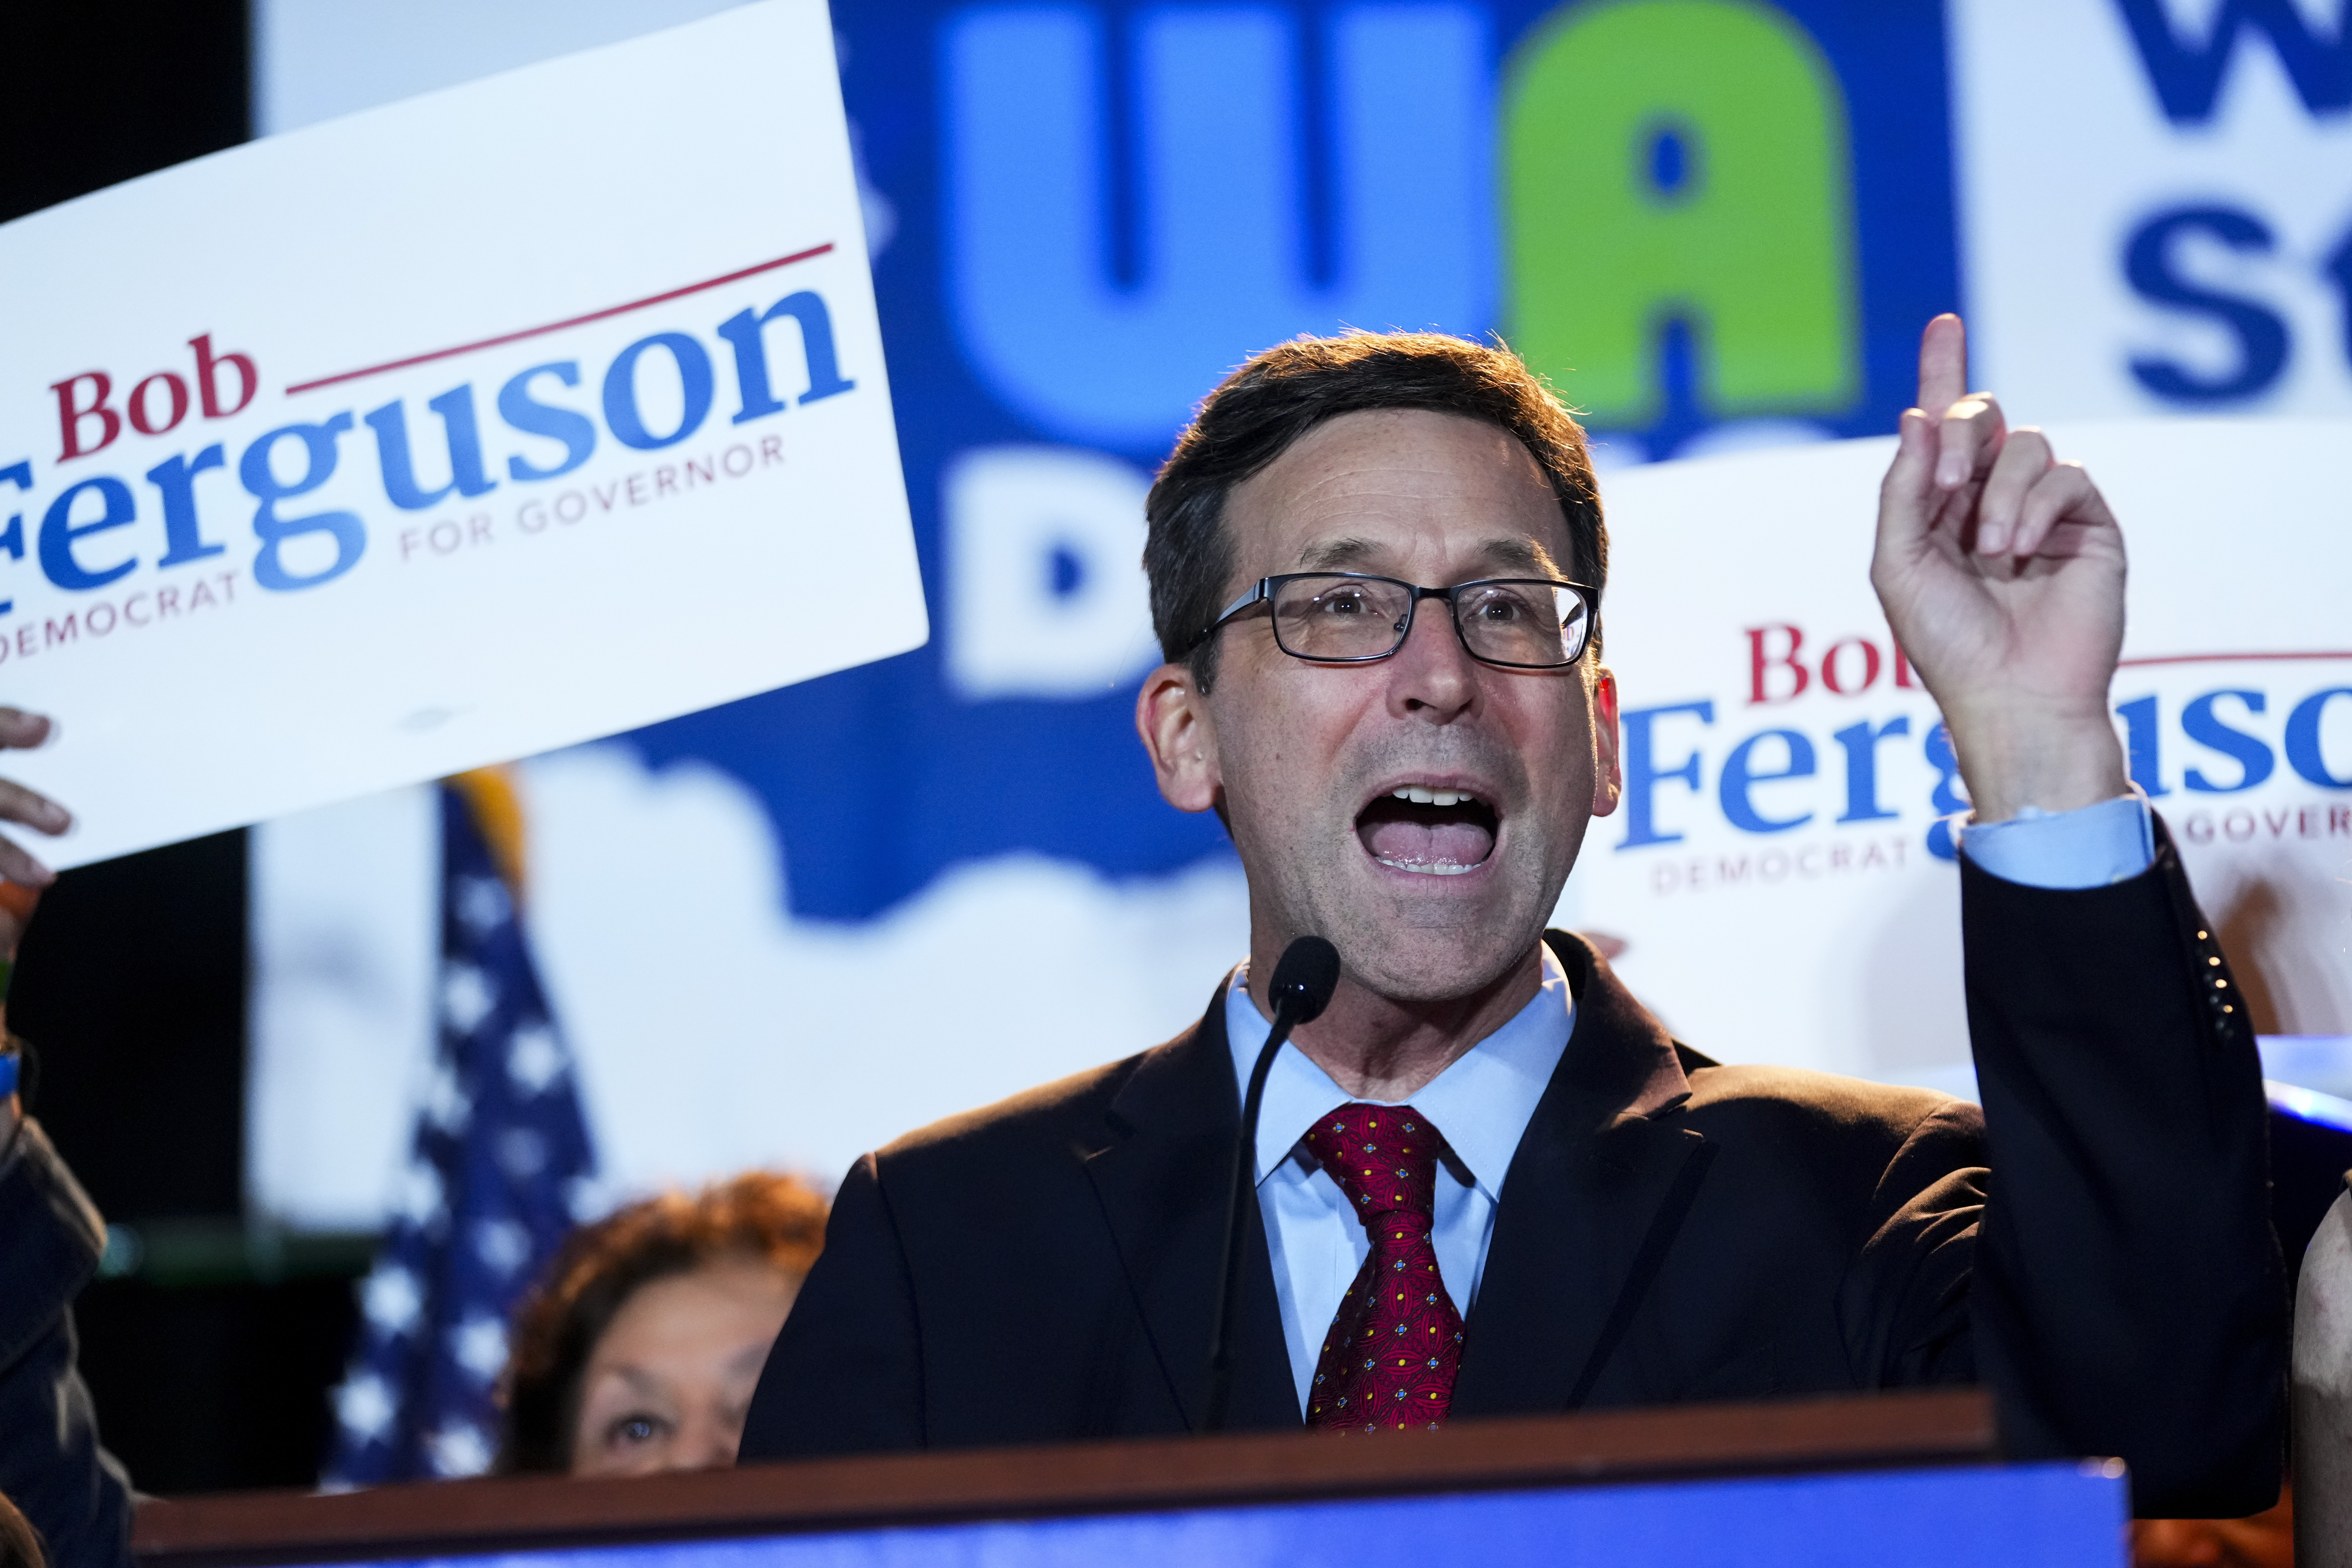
<point>1423,937</point>
<point>1440,958</point>
<point>1429,978</point>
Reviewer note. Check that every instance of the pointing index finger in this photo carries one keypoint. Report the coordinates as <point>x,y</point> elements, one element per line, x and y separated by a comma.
<point>1943,364</point>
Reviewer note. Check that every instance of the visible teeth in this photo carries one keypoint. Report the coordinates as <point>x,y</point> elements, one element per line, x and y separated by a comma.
<point>1438,869</point>
<point>1422,796</point>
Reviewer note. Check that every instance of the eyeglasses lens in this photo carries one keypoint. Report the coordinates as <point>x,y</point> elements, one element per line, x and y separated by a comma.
<point>1521,623</point>
<point>1340,617</point>
<point>1529,623</point>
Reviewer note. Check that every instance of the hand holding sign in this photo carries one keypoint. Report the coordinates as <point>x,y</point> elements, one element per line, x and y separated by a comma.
<point>26,877</point>
<point>2001,571</point>
<point>25,874</point>
<point>286,525</point>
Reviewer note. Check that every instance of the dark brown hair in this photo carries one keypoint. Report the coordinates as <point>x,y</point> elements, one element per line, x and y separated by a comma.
<point>758,1214</point>
<point>20,1543</point>
<point>1279,395</point>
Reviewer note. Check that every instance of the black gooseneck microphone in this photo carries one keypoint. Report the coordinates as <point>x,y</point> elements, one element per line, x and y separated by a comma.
<point>1303,982</point>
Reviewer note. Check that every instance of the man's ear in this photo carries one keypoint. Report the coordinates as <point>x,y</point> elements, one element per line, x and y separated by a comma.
<point>1608,777</point>
<point>1172,717</point>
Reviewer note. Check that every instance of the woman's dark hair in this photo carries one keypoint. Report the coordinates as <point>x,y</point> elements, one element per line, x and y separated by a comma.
<point>1277,396</point>
<point>760,1215</point>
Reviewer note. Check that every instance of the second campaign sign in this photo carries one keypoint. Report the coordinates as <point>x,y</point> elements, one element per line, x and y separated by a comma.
<point>529,411</point>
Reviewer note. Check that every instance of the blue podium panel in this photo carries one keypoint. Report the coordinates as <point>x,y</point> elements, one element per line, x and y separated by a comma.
<point>1991,1517</point>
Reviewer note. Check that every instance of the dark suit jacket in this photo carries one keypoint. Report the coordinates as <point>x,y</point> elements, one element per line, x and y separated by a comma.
<point>51,1466</point>
<point>1044,1269</point>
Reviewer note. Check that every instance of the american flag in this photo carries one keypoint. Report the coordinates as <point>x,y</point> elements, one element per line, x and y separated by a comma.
<point>499,1169</point>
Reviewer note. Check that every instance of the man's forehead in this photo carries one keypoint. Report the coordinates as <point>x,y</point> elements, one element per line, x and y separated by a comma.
<point>1404,452</point>
<point>1367,489</point>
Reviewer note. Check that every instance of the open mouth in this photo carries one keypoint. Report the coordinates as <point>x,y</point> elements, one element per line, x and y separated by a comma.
<point>1431,831</point>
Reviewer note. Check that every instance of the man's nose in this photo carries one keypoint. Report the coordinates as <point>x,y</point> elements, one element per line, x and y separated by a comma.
<point>1433,676</point>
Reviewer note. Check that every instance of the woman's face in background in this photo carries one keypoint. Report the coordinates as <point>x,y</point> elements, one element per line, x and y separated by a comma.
<point>667,1385</point>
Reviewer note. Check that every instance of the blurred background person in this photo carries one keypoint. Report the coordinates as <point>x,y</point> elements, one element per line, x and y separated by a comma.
<point>20,1544</point>
<point>640,1347</point>
<point>75,1500</point>
<point>51,1465</point>
<point>2264,1540</point>
<point>2322,1393</point>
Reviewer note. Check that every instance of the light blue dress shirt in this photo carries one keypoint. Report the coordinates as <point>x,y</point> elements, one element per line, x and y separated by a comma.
<point>2092,847</point>
<point>1483,1101</point>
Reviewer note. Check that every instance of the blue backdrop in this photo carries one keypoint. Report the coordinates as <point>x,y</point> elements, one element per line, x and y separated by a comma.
<point>1085,212</point>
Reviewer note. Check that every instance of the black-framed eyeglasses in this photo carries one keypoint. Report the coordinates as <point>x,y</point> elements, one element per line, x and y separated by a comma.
<point>1351,618</point>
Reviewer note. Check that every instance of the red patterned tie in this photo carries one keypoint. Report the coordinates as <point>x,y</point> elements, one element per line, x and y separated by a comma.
<point>1390,1356</point>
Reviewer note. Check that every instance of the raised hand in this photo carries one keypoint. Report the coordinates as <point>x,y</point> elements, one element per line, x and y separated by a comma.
<point>25,876</point>
<point>2001,571</point>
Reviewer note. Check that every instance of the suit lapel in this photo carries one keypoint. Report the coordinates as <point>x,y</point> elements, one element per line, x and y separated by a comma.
<point>1589,1206</point>
<point>1160,1177</point>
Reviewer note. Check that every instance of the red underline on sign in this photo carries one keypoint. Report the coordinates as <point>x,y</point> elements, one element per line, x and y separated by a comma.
<point>559,326</point>
<point>2226,658</point>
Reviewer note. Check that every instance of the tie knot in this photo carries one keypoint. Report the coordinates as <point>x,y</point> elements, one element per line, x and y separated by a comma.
<point>1384,1157</point>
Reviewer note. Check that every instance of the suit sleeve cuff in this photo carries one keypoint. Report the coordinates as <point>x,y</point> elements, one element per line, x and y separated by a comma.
<point>2092,846</point>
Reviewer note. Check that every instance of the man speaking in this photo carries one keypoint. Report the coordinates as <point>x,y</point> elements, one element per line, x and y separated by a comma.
<point>1376,568</point>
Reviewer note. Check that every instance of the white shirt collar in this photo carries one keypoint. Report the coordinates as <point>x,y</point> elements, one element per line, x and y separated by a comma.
<point>1481,1103</point>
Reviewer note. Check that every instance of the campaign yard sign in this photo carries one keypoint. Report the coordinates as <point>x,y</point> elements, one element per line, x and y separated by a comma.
<point>1781,868</point>
<point>501,419</point>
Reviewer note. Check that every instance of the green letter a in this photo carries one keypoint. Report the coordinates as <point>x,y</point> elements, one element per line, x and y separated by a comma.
<point>1683,158</point>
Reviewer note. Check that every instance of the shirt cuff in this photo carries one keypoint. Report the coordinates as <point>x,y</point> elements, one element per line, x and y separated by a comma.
<point>2088,848</point>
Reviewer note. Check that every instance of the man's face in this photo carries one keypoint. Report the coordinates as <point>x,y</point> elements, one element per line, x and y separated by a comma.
<point>1332,775</point>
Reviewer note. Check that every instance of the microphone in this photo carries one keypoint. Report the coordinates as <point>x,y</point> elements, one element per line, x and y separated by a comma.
<point>1303,982</point>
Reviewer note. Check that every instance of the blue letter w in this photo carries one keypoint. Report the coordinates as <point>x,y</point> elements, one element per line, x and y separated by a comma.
<point>2187,78</point>
<point>1218,168</point>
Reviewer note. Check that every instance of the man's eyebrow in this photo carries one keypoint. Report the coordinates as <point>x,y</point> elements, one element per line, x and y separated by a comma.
<point>1340,554</point>
<point>1510,554</point>
<point>1521,554</point>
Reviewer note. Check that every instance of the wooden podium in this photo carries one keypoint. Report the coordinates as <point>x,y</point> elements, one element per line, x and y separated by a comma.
<point>1910,1478</point>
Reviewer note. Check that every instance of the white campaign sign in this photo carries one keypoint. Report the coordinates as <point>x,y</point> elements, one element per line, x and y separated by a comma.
<point>1777,869</point>
<point>454,431</point>
<point>2155,216</point>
